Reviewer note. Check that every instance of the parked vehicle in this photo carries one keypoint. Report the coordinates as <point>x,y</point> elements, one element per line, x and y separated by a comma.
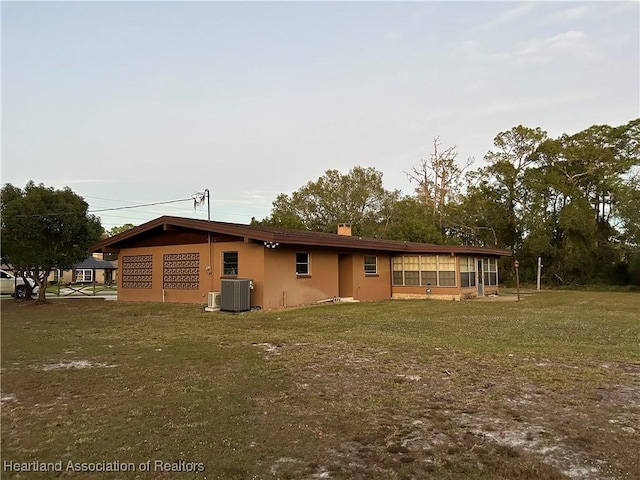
<point>14,286</point>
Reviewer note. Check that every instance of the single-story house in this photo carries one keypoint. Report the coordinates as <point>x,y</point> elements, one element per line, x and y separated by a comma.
<point>174,259</point>
<point>93,269</point>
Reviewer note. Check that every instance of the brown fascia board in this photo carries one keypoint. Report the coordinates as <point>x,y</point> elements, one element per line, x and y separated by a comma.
<point>168,223</point>
<point>111,244</point>
<point>291,237</point>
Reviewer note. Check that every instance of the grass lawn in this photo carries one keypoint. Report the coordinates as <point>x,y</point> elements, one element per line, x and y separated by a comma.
<point>545,388</point>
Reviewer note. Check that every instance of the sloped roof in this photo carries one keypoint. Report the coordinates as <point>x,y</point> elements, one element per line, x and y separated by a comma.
<point>282,236</point>
<point>93,262</point>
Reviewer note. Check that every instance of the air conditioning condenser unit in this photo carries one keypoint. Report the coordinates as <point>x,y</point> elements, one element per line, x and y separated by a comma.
<point>214,302</point>
<point>236,294</point>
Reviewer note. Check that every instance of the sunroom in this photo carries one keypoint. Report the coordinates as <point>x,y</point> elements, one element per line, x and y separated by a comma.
<point>446,276</point>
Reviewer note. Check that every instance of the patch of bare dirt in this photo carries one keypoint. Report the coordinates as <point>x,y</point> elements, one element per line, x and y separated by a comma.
<point>425,418</point>
<point>73,364</point>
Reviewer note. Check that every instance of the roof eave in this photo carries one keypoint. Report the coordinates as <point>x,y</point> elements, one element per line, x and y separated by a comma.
<point>249,233</point>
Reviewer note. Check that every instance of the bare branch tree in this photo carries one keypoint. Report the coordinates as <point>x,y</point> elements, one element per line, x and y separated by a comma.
<point>438,179</point>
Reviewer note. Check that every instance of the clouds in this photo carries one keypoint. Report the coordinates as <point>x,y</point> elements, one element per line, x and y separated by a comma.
<point>524,13</point>
<point>507,105</point>
<point>572,43</point>
<point>547,34</point>
<point>513,15</point>
<point>255,99</point>
<point>533,34</point>
<point>571,14</point>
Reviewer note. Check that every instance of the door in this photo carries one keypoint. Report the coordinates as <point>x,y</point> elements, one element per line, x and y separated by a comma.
<point>345,276</point>
<point>480,279</point>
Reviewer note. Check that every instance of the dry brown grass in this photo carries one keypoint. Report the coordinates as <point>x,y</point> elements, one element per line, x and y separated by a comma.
<point>546,388</point>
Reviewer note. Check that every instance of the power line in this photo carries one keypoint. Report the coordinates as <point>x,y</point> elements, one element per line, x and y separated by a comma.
<point>131,202</point>
<point>103,209</point>
<point>141,205</point>
<point>128,207</point>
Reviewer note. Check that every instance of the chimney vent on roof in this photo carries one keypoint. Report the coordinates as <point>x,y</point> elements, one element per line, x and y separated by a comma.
<point>344,229</point>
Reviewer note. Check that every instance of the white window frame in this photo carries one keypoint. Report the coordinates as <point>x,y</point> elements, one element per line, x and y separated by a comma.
<point>81,275</point>
<point>374,265</point>
<point>306,264</point>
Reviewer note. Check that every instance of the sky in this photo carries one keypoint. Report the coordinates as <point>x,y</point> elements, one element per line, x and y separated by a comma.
<point>131,103</point>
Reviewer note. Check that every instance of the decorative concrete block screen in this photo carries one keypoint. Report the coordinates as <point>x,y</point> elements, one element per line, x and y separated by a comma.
<point>181,271</point>
<point>137,271</point>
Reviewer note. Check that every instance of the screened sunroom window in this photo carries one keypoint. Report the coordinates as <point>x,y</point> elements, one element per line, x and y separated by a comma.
<point>429,271</point>
<point>467,272</point>
<point>490,268</point>
<point>398,277</point>
<point>412,270</point>
<point>424,270</point>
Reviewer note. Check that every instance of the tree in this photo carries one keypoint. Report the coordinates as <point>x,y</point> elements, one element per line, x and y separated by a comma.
<point>480,217</point>
<point>410,222</point>
<point>438,181</point>
<point>357,197</point>
<point>119,229</point>
<point>514,154</point>
<point>590,180</point>
<point>629,210</point>
<point>44,229</point>
<point>572,200</point>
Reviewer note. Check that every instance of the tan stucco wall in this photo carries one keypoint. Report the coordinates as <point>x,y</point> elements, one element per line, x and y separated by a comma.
<point>285,288</point>
<point>250,265</point>
<point>155,293</point>
<point>274,277</point>
<point>372,287</point>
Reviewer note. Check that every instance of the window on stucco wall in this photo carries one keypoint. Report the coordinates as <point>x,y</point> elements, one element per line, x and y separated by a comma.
<point>229,263</point>
<point>370,265</point>
<point>302,263</point>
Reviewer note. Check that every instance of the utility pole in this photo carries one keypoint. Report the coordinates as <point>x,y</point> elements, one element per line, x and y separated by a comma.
<point>539,272</point>
<point>198,199</point>
<point>206,190</point>
<point>516,265</point>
